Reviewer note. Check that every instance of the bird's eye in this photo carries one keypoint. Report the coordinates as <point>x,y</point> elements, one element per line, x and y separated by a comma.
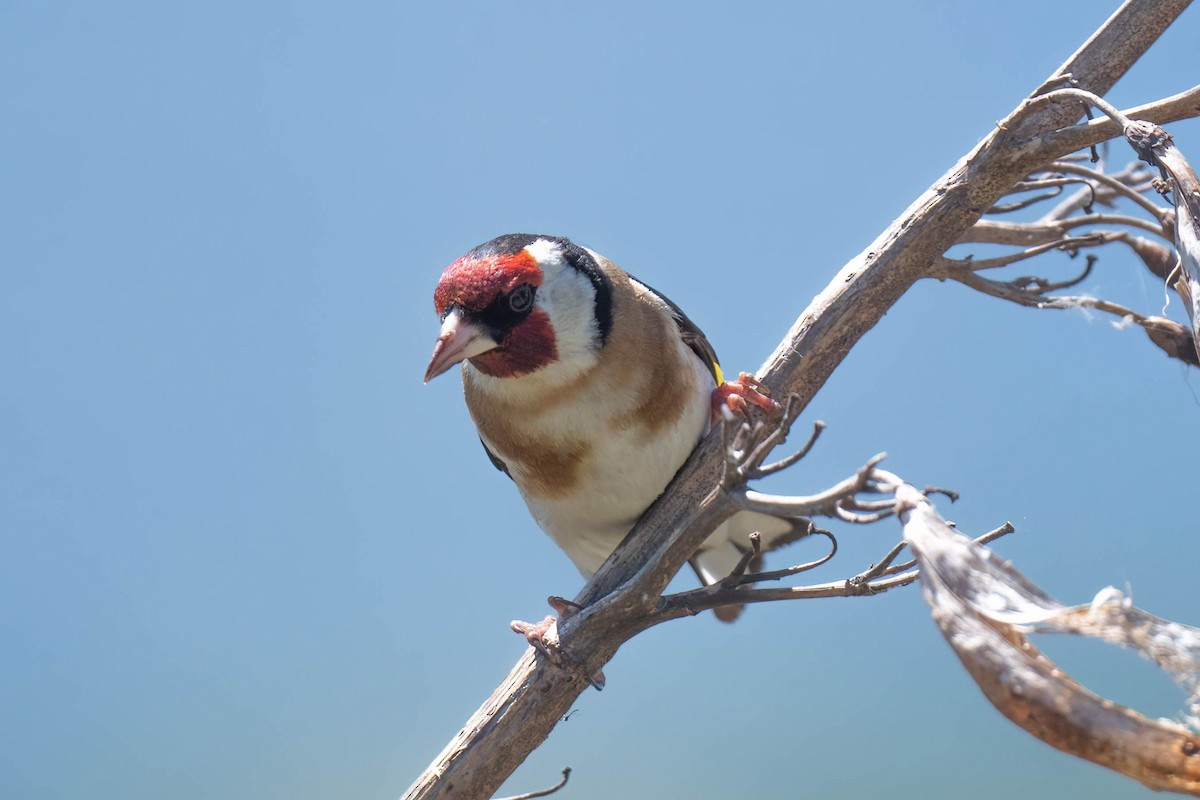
<point>521,298</point>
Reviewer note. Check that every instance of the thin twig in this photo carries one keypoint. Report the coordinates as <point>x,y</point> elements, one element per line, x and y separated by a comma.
<point>778,574</point>
<point>739,570</point>
<point>1115,184</point>
<point>1007,208</point>
<point>1035,285</point>
<point>950,493</point>
<point>990,536</point>
<point>784,463</point>
<point>821,504</point>
<point>566,775</point>
<point>845,515</point>
<point>876,579</point>
<point>749,466</point>
<point>884,564</point>
<point>1065,243</point>
<point>1167,335</point>
<point>1020,296</point>
<point>868,505</point>
<point>1113,219</point>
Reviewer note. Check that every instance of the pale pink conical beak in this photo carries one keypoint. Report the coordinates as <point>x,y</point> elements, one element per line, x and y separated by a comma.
<point>459,340</point>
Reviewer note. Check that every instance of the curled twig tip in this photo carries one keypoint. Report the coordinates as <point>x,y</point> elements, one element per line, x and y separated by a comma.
<point>950,493</point>
<point>566,775</point>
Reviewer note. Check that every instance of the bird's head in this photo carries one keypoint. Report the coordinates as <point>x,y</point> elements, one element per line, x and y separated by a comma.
<point>522,304</point>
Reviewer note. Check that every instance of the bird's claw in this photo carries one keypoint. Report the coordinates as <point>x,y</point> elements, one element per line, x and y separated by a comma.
<point>564,607</point>
<point>543,637</point>
<point>738,396</point>
<point>537,634</point>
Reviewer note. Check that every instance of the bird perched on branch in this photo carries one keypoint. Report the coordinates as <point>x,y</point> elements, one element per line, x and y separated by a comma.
<point>589,390</point>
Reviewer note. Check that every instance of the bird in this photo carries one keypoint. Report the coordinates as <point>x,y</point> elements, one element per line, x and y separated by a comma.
<point>589,389</point>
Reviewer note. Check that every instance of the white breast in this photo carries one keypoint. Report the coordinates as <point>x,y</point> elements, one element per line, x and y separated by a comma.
<point>623,474</point>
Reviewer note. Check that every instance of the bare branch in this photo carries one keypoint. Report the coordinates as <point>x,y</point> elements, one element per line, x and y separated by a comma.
<point>1156,147</point>
<point>744,461</point>
<point>1051,232</point>
<point>779,574</point>
<point>1066,243</point>
<point>622,597</point>
<point>739,569</point>
<point>984,607</point>
<point>1134,178</point>
<point>876,579</point>
<point>823,504</point>
<point>1088,99</point>
<point>1182,225</point>
<point>846,515</point>
<point>1121,184</point>
<point>784,463</point>
<point>990,536</point>
<point>1070,223</point>
<point>1018,292</point>
<point>1055,144</point>
<point>885,565</point>
<point>1054,184</point>
<point>739,578</point>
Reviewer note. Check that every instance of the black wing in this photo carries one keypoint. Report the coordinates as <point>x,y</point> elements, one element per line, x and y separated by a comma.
<point>495,459</point>
<point>693,337</point>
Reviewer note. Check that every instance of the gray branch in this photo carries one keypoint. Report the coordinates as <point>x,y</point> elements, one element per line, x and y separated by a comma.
<point>622,597</point>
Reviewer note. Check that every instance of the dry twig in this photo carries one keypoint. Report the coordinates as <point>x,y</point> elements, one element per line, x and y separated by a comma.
<point>1156,147</point>
<point>984,608</point>
<point>1180,225</point>
<point>566,775</point>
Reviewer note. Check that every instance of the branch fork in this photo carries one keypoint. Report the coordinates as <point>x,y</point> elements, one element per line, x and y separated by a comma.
<point>743,457</point>
<point>1178,225</point>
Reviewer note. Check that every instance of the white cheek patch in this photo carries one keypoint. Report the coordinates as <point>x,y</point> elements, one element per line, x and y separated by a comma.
<point>569,299</point>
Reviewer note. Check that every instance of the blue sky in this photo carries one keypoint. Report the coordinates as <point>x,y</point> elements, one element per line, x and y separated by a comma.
<point>247,555</point>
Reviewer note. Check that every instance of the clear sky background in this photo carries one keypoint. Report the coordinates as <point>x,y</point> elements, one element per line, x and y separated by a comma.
<point>245,554</point>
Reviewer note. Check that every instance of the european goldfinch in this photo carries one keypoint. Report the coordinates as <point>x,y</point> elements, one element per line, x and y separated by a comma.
<point>589,390</point>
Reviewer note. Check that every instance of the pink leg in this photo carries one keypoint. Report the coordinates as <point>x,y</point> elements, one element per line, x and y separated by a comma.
<point>538,636</point>
<point>535,632</point>
<point>739,395</point>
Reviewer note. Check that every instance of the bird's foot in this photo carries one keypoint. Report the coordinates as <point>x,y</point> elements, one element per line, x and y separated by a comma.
<point>538,635</point>
<point>738,396</point>
<point>564,607</point>
<point>543,637</point>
